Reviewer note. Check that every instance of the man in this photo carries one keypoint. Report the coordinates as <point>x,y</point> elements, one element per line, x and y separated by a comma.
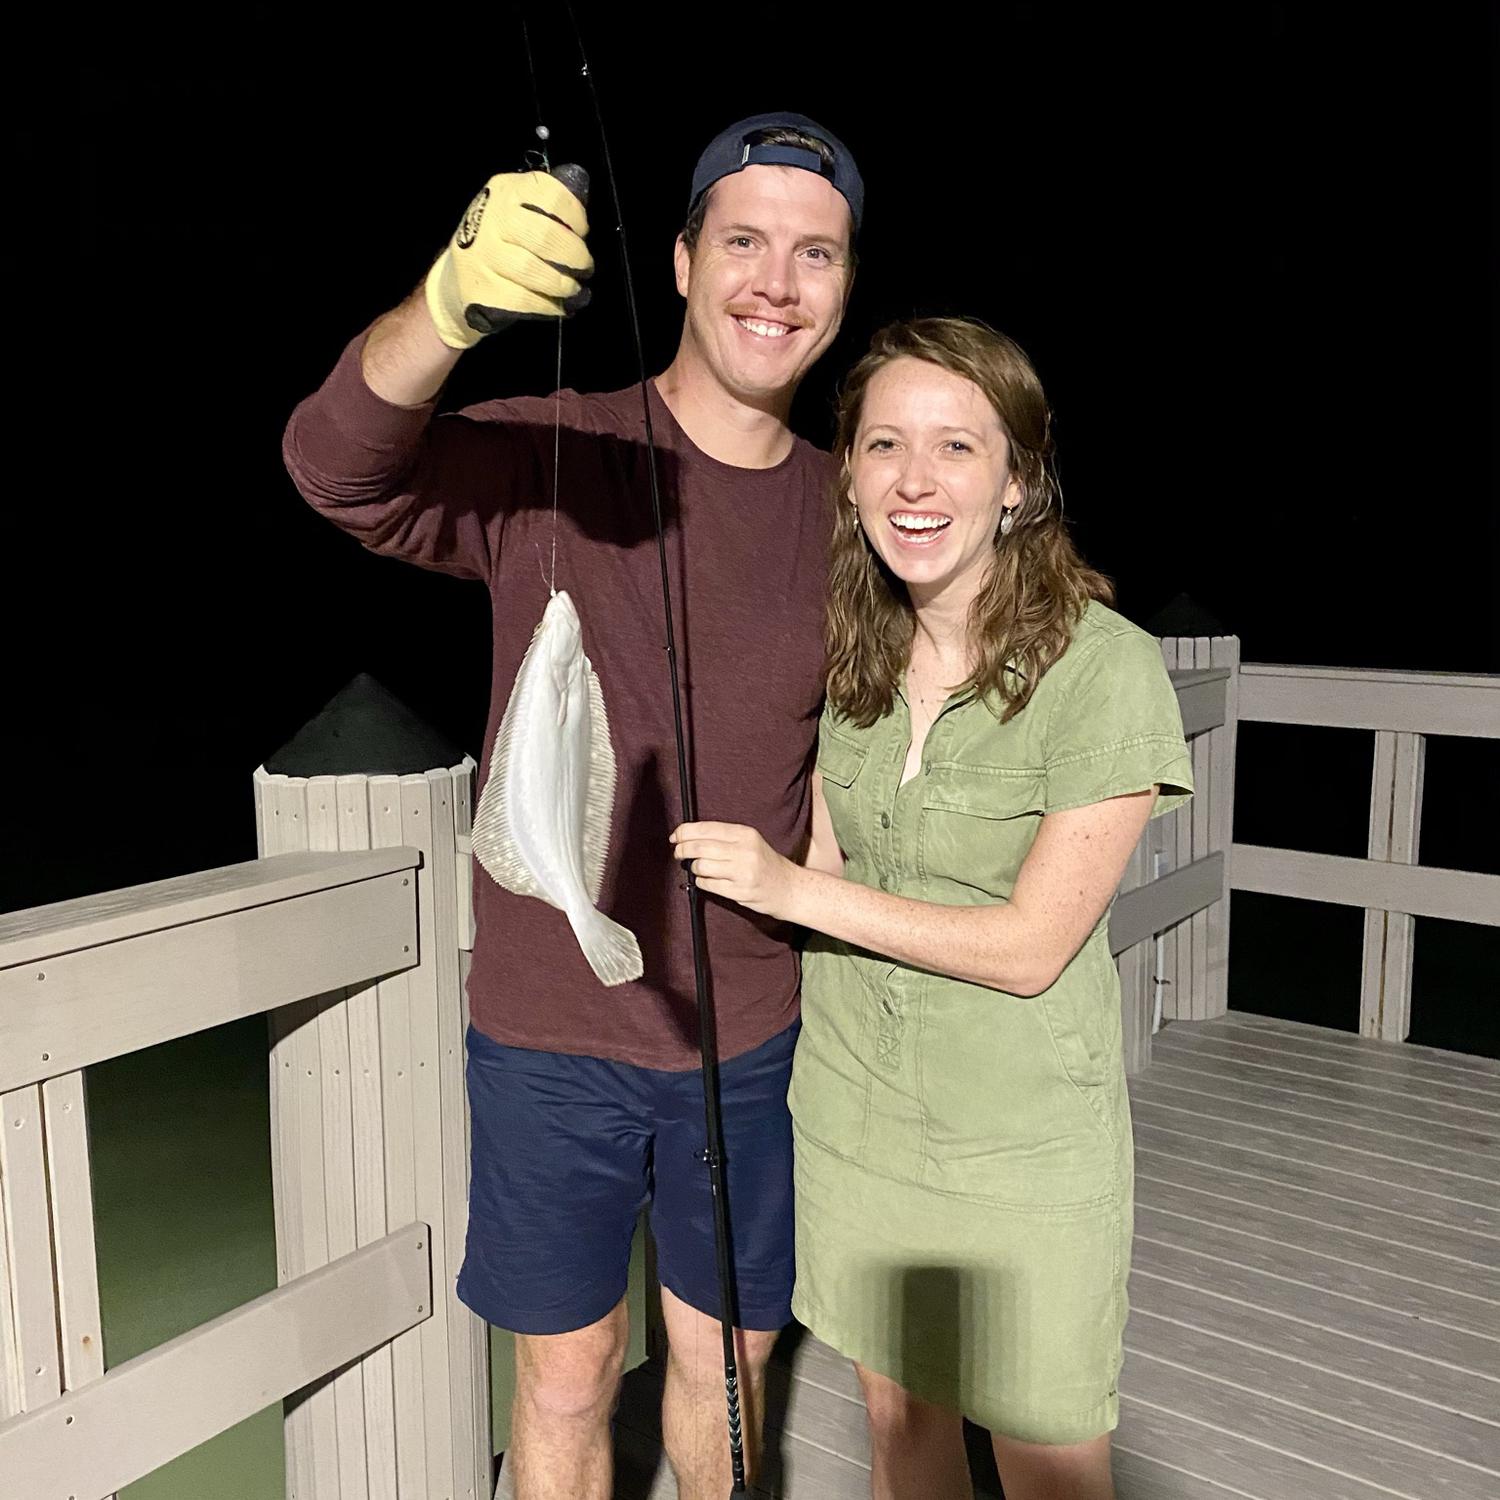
<point>586,1102</point>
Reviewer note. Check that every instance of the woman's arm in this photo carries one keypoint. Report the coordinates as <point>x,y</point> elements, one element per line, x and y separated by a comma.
<point>823,852</point>
<point>1065,885</point>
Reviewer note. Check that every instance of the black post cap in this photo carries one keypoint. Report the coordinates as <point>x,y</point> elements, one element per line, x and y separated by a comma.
<point>365,730</point>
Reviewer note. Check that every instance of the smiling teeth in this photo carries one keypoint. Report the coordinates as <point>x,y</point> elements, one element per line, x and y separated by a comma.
<point>920,523</point>
<point>765,330</point>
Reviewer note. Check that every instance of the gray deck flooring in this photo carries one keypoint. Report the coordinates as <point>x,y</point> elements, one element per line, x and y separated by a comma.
<point>1315,1292</point>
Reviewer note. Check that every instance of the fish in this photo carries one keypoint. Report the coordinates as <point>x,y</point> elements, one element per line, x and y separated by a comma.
<point>542,825</point>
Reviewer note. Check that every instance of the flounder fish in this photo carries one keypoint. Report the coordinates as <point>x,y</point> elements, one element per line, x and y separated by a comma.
<point>542,825</point>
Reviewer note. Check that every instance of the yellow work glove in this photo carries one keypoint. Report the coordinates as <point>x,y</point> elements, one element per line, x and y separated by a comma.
<point>519,253</point>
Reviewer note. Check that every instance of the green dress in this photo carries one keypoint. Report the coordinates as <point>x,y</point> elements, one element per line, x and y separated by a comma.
<point>963,1155</point>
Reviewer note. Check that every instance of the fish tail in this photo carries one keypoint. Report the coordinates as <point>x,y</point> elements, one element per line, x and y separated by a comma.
<point>612,951</point>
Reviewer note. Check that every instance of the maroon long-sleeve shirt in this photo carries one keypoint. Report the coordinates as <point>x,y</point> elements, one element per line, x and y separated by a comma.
<point>470,494</point>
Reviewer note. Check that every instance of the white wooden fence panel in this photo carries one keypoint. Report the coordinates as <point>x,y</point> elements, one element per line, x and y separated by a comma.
<point>10,1356</point>
<point>427,1127</point>
<point>65,1117</point>
<point>1350,698</point>
<point>386,831</point>
<point>338,1159</point>
<point>173,1397</point>
<point>470,1425</point>
<point>367,1118</point>
<point>311,1418</point>
<point>1421,890</point>
<point>1395,824</point>
<point>111,916</point>
<point>78,1007</point>
<point>28,1247</point>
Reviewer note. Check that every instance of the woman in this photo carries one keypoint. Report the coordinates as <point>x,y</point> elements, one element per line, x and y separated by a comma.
<point>994,742</point>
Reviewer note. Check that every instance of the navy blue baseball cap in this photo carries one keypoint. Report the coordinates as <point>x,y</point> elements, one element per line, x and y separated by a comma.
<point>736,148</point>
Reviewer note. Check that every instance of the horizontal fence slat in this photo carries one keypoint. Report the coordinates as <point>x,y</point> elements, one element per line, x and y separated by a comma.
<point>1350,698</point>
<point>40,932</point>
<point>158,1405</point>
<point>100,1002</point>
<point>1419,890</point>
<point>1201,697</point>
<point>1160,904</point>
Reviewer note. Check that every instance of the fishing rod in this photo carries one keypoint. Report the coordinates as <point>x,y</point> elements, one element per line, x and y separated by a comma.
<point>708,1037</point>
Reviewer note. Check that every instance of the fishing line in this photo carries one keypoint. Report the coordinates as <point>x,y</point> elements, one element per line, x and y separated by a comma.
<point>544,134</point>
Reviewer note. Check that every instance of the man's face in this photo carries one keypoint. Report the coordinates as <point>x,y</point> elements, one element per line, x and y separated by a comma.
<point>767,283</point>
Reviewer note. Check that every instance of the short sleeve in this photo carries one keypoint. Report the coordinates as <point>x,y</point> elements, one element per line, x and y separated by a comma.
<point>1116,728</point>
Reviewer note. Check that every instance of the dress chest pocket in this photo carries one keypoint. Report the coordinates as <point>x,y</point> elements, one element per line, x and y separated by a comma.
<point>840,763</point>
<point>978,825</point>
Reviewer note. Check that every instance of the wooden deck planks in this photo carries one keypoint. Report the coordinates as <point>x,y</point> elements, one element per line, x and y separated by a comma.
<point>1315,1288</point>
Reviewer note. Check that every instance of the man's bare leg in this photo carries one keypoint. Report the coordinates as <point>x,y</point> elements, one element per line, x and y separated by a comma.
<point>694,1415</point>
<point>566,1384</point>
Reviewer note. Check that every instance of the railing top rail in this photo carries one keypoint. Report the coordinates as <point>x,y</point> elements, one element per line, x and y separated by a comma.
<point>42,932</point>
<point>1439,703</point>
<point>1190,677</point>
<point>1481,680</point>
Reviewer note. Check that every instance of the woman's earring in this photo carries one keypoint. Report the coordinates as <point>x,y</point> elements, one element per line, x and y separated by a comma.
<point>1007,520</point>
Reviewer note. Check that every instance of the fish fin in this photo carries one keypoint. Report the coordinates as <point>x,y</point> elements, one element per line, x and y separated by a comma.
<point>494,840</point>
<point>600,804</point>
<point>612,951</point>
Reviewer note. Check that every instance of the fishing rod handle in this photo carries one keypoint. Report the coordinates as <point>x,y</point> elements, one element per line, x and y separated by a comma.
<point>493,319</point>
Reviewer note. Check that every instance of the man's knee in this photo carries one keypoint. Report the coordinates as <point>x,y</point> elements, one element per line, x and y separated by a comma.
<point>573,1376</point>
<point>700,1360</point>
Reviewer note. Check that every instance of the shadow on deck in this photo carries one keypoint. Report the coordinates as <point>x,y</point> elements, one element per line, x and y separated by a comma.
<point>1315,1291</point>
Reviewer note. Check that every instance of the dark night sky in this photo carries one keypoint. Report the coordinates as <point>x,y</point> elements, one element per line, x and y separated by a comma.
<point>1250,248</point>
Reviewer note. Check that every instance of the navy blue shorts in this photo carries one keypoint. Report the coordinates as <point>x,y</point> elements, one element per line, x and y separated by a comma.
<point>568,1150</point>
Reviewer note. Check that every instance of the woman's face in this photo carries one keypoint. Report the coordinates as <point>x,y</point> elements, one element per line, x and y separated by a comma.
<point>930,471</point>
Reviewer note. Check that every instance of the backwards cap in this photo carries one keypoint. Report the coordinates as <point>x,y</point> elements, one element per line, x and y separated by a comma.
<point>736,148</point>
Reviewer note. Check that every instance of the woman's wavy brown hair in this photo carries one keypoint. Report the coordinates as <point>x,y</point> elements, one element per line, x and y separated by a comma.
<point>1037,587</point>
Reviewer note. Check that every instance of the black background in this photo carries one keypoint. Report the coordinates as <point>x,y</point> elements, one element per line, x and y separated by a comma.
<point>1250,248</point>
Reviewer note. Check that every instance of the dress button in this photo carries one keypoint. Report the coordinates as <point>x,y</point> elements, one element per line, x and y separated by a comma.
<point>927,768</point>
<point>885,883</point>
<point>885,820</point>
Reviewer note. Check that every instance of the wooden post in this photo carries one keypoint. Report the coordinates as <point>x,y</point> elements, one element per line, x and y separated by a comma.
<point>1223,743</point>
<point>1395,836</point>
<point>1195,959</point>
<point>369,1116</point>
<point>1137,973</point>
<point>1172,848</point>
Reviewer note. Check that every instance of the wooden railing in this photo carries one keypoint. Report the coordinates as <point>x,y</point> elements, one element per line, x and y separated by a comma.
<point>91,979</point>
<point>1402,709</point>
<point>354,940</point>
<point>351,940</point>
<point>1170,925</point>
